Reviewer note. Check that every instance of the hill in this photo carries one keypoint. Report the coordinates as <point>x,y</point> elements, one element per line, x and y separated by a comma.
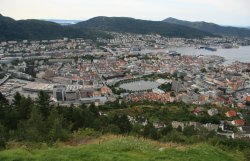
<point>11,29</point>
<point>211,28</point>
<point>122,149</point>
<point>130,25</point>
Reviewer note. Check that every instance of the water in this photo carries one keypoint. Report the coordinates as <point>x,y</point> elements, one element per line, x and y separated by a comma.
<point>139,85</point>
<point>241,54</point>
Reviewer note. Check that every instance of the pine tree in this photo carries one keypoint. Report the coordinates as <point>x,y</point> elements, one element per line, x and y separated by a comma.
<point>43,103</point>
<point>58,129</point>
<point>35,128</point>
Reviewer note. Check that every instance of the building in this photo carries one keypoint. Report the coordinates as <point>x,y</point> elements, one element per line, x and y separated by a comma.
<point>231,113</point>
<point>177,86</point>
<point>71,95</point>
<point>238,122</point>
<point>59,92</point>
<point>213,111</point>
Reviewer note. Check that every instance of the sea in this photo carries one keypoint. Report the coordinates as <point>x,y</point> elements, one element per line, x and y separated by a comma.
<point>241,54</point>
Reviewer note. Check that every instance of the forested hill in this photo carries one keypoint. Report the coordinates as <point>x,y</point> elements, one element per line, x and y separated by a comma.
<point>130,25</point>
<point>212,28</point>
<point>11,29</point>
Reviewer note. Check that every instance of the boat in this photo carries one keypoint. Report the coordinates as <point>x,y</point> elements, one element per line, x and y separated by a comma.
<point>207,48</point>
<point>210,49</point>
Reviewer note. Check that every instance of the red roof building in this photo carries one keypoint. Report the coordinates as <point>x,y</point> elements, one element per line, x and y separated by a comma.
<point>105,90</point>
<point>248,98</point>
<point>238,122</point>
<point>231,113</point>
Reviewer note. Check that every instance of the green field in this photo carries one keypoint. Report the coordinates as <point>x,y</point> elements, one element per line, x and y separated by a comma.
<point>122,149</point>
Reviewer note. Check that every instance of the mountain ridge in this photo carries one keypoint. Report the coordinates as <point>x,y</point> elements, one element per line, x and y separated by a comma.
<point>138,26</point>
<point>33,29</point>
<point>211,27</point>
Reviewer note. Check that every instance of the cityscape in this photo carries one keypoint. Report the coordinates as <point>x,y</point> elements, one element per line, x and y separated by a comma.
<point>130,83</point>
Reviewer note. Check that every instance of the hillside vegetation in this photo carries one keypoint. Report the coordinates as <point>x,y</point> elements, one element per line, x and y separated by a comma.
<point>130,25</point>
<point>212,28</point>
<point>38,130</point>
<point>11,29</point>
<point>122,149</point>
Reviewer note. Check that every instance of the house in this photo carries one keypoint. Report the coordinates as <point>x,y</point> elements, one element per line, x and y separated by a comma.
<point>198,111</point>
<point>244,129</point>
<point>231,113</point>
<point>241,105</point>
<point>227,128</point>
<point>96,94</point>
<point>182,125</point>
<point>176,124</point>
<point>105,90</point>
<point>159,125</point>
<point>213,111</point>
<point>238,122</point>
<point>211,127</point>
<point>247,99</point>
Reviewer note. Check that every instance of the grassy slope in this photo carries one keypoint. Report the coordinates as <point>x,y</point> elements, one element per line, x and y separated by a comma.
<point>122,149</point>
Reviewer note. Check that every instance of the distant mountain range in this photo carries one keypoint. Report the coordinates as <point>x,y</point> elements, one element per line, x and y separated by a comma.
<point>212,28</point>
<point>125,24</point>
<point>11,29</point>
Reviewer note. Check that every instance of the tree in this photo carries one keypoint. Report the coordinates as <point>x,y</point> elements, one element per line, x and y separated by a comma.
<point>33,129</point>
<point>17,100</point>
<point>3,100</point>
<point>2,136</point>
<point>172,94</point>
<point>23,106</point>
<point>150,131</point>
<point>137,129</point>
<point>57,127</point>
<point>93,109</point>
<point>122,122</point>
<point>189,131</point>
<point>3,107</point>
<point>77,118</point>
<point>166,130</point>
<point>43,103</point>
<point>196,90</point>
<point>166,87</point>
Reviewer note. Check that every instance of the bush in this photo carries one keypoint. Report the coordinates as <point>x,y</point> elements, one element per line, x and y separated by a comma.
<point>85,133</point>
<point>2,143</point>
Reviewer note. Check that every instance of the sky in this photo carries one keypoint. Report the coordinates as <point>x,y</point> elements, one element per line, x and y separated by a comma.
<point>223,12</point>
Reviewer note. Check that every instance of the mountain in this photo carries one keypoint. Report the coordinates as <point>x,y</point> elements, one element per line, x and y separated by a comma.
<point>130,25</point>
<point>11,29</point>
<point>211,28</point>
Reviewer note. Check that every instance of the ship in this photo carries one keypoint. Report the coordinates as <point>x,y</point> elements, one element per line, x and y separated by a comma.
<point>207,48</point>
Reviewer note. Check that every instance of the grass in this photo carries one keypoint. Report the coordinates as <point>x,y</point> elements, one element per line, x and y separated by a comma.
<point>117,148</point>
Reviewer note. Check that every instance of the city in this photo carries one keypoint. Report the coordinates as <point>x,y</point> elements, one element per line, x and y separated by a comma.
<point>124,81</point>
<point>76,71</point>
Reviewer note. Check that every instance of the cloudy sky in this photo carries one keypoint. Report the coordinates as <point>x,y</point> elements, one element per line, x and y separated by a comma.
<point>224,12</point>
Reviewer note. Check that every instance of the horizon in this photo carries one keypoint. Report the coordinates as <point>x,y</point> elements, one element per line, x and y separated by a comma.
<point>234,13</point>
<point>80,20</point>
